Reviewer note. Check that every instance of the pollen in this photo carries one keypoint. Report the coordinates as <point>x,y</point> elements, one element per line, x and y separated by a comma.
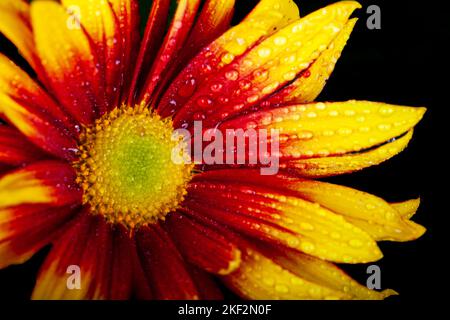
<point>126,167</point>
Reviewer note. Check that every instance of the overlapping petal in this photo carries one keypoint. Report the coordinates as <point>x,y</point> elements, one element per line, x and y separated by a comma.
<point>69,60</point>
<point>202,246</point>
<point>267,17</point>
<point>308,86</point>
<point>15,25</point>
<point>45,182</point>
<point>281,217</point>
<point>24,229</point>
<point>15,149</point>
<point>292,275</point>
<point>166,271</point>
<point>24,104</point>
<point>176,37</point>
<point>266,67</point>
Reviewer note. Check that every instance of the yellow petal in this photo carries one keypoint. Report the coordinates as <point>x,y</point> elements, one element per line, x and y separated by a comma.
<point>325,274</point>
<point>331,166</point>
<point>15,25</point>
<point>407,208</point>
<point>324,234</point>
<point>307,87</point>
<point>370,213</point>
<point>267,17</point>
<point>23,187</point>
<point>260,278</point>
<point>337,128</point>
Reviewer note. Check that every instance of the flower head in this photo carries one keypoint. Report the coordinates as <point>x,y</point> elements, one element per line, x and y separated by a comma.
<point>86,152</point>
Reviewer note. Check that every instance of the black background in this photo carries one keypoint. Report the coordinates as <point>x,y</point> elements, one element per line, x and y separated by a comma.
<point>403,63</point>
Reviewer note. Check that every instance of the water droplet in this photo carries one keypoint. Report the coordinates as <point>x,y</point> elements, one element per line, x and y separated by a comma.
<point>232,75</point>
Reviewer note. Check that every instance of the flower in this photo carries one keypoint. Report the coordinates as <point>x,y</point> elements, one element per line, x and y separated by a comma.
<point>86,153</point>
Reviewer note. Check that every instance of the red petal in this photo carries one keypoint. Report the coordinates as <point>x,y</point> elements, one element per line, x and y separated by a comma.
<point>69,60</point>
<point>153,36</point>
<point>202,246</point>
<point>207,287</point>
<point>121,268</point>
<point>127,15</point>
<point>164,266</point>
<point>15,149</point>
<point>171,47</point>
<point>24,104</point>
<point>264,19</point>
<point>27,228</point>
<point>86,244</point>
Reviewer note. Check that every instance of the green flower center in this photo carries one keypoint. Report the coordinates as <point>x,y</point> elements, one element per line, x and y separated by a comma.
<point>126,168</point>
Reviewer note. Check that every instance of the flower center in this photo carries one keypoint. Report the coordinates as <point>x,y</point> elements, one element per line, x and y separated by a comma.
<point>126,168</point>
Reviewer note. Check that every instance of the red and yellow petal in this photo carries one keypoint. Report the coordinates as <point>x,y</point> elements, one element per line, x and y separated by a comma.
<point>24,229</point>
<point>202,246</point>
<point>80,246</point>
<point>275,274</point>
<point>166,271</point>
<point>46,182</point>
<point>152,39</point>
<point>68,59</point>
<point>368,212</point>
<point>336,165</point>
<point>280,217</point>
<point>173,42</point>
<point>260,278</point>
<point>267,67</point>
<point>15,25</point>
<point>25,105</point>
<point>323,139</point>
<point>267,17</point>
<point>15,149</point>
<point>98,20</point>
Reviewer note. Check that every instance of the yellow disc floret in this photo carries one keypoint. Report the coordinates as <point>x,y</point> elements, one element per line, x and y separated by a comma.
<point>126,168</point>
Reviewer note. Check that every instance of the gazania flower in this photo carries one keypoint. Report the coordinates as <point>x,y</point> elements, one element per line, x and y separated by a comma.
<point>86,152</point>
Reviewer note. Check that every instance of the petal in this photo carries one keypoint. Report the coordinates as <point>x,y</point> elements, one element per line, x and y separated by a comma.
<point>368,212</point>
<point>264,19</point>
<point>68,59</point>
<point>127,15</point>
<point>15,25</point>
<point>406,209</point>
<point>278,217</point>
<point>260,278</point>
<point>45,182</point>
<point>24,104</point>
<point>121,268</point>
<point>206,286</point>
<point>322,273</point>
<point>309,85</point>
<point>82,245</point>
<point>176,37</point>
<point>153,36</point>
<point>212,21</point>
<point>25,229</point>
<point>15,149</point>
<point>202,246</point>
<point>267,67</point>
<point>98,20</point>
<point>164,266</point>
<point>331,166</point>
<point>367,132</point>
